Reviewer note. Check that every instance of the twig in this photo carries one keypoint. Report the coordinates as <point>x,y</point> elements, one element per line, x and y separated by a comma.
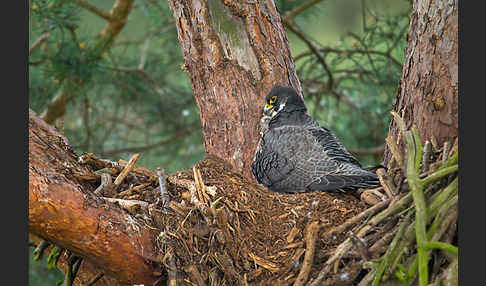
<point>193,193</point>
<point>416,188</point>
<point>450,275</point>
<point>342,249</point>
<point>73,262</point>
<point>76,266</point>
<point>383,243</point>
<point>163,186</point>
<point>129,205</point>
<point>392,145</point>
<point>143,54</point>
<point>314,49</point>
<point>192,271</point>
<point>297,10</point>
<point>368,279</point>
<point>53,257</point>
<point>310,242</point>
<point>355,219</point>
<point>363,15</point>
<point>38,42</point>
<point>441,245</point>
<point>398,206</point>
<point>270,266</point>
<point>426,156</point>
<point>439,215</point>
<point>214,205</point>
<point>39,250</point>
<point>386,182</point>
<point>172,269</point>
<point>127,169</point>
<point>372,196</point>
<point>199,184</point>
<point>350,52</point>
<point>440,198</point>
<point>445,151</point>
<point>438,174</point>
<point>105,15</point>
<point>409,238</point>
<point>105,183</point>
<point>95,279</point>
<point>450,233</point>
<point>360,246</point>
<point>388,257</point>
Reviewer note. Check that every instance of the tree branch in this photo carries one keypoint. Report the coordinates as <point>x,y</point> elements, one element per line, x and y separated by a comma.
<point>38,42</point>
<point>350,52</point>
<point>103,14</point>
<point>65,212</point>
<point>313,48</point>
<point>297,10</point>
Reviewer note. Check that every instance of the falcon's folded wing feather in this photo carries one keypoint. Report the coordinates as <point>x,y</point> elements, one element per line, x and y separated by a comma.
<point>331,145</point>
<point>270,167</point>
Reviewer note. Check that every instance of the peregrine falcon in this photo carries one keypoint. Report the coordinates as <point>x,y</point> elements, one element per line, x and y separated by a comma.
<point>295,154</point>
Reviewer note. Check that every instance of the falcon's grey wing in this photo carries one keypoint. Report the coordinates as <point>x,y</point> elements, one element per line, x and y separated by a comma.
<point>270,168</point>
<point>331,144</point>
<point>325,168</point>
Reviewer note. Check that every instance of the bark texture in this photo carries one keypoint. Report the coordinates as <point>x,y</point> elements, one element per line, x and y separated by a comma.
<point>428,90</point>
<point>235,52</point>
<point>62,210</point>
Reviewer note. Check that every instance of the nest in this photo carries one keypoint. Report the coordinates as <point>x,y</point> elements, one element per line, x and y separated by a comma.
<point>219,228</point>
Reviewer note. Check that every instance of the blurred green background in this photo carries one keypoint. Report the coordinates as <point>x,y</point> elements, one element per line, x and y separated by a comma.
<point>116,108</point>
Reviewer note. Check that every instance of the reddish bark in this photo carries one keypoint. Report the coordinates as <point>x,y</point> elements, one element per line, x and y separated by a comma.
<point>428,90</point>
<point>235,52</point>
<point>62,210</point>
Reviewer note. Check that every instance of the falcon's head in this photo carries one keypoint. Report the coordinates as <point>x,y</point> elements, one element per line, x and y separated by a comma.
<point>282,98</point>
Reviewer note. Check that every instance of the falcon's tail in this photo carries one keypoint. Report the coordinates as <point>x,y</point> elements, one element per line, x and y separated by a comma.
<point>345,183</point>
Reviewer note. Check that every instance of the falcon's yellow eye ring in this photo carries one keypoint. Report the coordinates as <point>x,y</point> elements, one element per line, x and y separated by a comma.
<point>273,99</point>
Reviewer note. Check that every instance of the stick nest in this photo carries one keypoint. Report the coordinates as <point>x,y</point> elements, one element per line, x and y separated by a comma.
<point>219,228</point>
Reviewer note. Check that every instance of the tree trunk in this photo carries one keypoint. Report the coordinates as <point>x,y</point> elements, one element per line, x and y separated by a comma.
<point>235,52</point>
<point>428,90</point>
<point>64,211</point>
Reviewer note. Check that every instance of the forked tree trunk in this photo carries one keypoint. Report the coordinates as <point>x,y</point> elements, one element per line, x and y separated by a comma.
<point>234,54</point>
<point>234,51</point>
<point>428,90</point>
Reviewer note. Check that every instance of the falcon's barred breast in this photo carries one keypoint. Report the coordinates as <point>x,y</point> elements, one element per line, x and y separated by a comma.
<point>295,154</point>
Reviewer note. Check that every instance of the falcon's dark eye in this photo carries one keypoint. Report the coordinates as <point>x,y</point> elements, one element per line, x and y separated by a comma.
<point>273,99</point>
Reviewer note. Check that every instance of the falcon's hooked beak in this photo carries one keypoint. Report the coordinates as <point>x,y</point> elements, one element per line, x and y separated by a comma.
<point>268,110</point>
